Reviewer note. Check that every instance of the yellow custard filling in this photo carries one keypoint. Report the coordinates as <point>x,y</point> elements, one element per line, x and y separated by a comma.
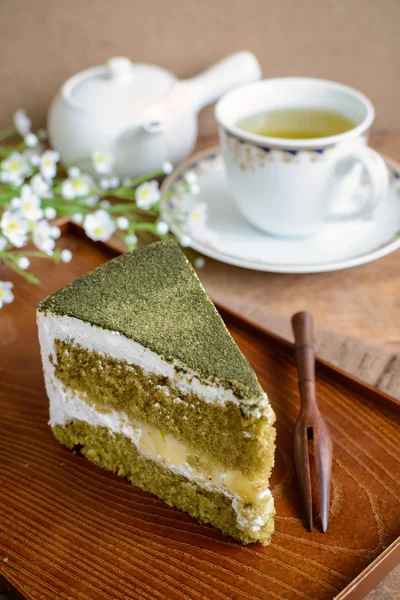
<point>164,447</point>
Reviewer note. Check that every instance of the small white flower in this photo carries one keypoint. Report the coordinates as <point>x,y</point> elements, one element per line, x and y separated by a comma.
<point>147,194</point>
<point>74,172</point>
<point>190,177</point>
<point>15,203</point>
<point>40,186</point>
<point>99,226</point>
<point>55,232</point>
<point>31,140</point>
<point>91,201</point>
<point>48,163</point>
<point>102,162</point>
<point>105,203</point>
<point>42,134</point>
<point>30,204</point>
<point>109,183</point>
<point>66,255</point>
<point>194,189</point>
<point>180,189</point>
<point>34,159</point>
<point>15,228</point>
<point>22,122</point>
<point>50,213</point>
<point>23,263</point>
<point>32,155</point>
<point>77,218</point>
<point>114,182</point>
<point>122,223</point>
<point>200,262</point>
<point>162,228</point>
<point>77,185</point>
<point>3,243</point>
<point>14,169</point>
<point>185,241</point>
<point>105,183</point>
<point>131,240</point>
<point>6,295</point>
<point>42,237</point>
<point>167,167</point>
<point>197,216</point>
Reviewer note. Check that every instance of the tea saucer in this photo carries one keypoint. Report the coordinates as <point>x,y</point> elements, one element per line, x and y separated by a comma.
<point>227,237</point>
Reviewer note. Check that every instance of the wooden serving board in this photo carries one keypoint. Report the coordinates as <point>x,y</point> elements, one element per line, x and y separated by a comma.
<point>73,531</point>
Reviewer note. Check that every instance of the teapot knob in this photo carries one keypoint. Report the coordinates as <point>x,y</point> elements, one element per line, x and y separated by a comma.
<point>120,68</point>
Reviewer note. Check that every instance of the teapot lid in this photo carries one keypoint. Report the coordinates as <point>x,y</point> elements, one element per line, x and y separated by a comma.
<point>117,85</point>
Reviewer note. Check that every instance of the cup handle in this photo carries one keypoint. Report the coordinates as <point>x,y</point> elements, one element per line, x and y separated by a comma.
<point>377,172</point>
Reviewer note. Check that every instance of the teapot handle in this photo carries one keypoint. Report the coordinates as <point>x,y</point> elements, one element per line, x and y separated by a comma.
<point>237,69</point>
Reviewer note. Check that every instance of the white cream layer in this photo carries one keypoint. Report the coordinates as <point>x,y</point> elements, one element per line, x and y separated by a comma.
<point>112,343</point>
<point>66,405</point>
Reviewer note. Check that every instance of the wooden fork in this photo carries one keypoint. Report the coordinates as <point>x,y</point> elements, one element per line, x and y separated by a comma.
<point>310,425</point>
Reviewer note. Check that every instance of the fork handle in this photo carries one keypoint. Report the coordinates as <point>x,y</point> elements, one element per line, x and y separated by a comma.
<point>302,323</point>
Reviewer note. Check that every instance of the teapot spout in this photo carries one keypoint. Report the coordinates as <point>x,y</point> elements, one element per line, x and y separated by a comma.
<point>237,69</point>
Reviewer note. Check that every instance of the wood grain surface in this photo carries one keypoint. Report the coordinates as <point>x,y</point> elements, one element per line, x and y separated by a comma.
<point>71,530</point>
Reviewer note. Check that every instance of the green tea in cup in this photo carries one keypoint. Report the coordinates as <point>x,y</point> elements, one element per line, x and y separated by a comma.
<point>295,150</point>
<point>296,123</point>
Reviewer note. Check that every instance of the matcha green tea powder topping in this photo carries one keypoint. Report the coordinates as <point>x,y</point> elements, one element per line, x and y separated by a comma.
<point>153,296</point>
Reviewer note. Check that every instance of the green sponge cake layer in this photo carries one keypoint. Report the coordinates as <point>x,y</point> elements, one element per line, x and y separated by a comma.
<point>205,427</point>
<point>118,454</point>
<point>144,377</point>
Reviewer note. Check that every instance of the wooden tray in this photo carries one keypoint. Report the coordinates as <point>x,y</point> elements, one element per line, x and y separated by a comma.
<point>73,531</point>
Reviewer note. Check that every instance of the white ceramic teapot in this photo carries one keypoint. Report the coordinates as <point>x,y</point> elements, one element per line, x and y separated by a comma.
<point>141,114</point>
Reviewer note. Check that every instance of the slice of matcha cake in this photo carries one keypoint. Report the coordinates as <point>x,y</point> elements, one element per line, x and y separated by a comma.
<point>145,379</point>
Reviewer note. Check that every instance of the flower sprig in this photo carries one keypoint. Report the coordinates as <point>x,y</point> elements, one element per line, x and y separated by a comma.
<point>35,189</point>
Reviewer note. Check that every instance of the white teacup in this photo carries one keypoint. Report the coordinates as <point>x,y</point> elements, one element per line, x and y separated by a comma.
<point>291,187</point>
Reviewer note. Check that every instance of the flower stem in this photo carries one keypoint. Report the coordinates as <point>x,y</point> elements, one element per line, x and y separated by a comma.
<point>32,253</point>
<point>80,162</point>
<point>6,151</point>
<point>69,207</point>
<point>6,133</point>
<point>123,208</point>
<point>138,180</point>
<point>12,265</point>
<point>145,227</point>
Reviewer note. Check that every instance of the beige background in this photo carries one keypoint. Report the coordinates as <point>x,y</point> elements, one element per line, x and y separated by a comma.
<point>43,42</point>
